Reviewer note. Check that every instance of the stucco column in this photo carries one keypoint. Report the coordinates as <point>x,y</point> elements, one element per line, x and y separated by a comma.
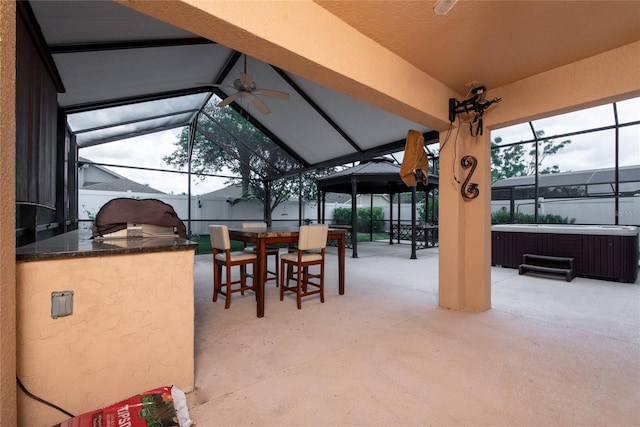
<point>464,225</point>
<point>8,411</point>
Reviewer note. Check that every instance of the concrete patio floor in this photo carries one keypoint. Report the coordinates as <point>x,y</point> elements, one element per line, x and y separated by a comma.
<point>384,354</point>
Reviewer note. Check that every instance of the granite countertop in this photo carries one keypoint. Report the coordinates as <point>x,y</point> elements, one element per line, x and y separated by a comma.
<point>78,243</point>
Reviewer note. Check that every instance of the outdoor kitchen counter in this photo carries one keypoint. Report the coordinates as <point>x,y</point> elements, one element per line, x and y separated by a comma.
<point>129,326</point>
<point>78,243</point>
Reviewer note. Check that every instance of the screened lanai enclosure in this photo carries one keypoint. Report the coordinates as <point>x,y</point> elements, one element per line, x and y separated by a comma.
<point>582,197</point>
<point>132,90</point>
<point>139,96</point>
<point>577,168</point>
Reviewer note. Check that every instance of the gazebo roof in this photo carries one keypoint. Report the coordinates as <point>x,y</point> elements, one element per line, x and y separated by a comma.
<point>377,176</point>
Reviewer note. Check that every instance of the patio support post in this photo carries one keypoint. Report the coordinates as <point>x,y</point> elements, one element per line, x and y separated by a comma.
<point>267,202</point>
<point>192,138</point>
<point>536,205</point>
<point>391,219</point>
<point>399,216</point>
<point>512,205</point>
<point>413,223</point>
<point>371,217</point>
<point>616,192</point>
<point>464,225</point>
<point>324,207</point>
<point>300,210</point>
<point>354,218</point>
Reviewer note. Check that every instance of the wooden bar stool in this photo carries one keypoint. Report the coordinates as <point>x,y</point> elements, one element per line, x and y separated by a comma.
<point>312,242</point>
<point>223,257</point>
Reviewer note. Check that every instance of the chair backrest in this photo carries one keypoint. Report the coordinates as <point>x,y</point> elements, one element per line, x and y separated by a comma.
<point>313,236</point>
<point>254,225</point>
<point>219,235</point>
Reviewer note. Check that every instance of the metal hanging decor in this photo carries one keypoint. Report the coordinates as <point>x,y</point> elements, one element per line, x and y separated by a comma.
<point>469,190</point>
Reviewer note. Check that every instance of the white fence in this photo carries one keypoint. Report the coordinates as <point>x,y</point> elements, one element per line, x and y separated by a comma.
<point>210,208</point>
<point>583,211</point>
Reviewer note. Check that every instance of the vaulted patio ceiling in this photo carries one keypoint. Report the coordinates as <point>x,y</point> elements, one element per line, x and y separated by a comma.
<point>127,74</point>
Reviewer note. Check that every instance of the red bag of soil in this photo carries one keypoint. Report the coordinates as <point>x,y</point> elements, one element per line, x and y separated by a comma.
<point>153,408</point>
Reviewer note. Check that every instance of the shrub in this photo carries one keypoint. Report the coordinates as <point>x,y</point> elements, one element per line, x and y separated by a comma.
<point>343,216</point>
<point>503,217</point>
<point>431,207</point>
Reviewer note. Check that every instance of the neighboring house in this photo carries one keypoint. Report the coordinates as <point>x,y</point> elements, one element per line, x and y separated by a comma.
<point>337,199</point>
<point>97,185</point>
<point>95,177</point>
<point>232,193</point>
<point>583,197</point>
<point>122,184</point>
<point>340,200</point>
<point>228,205</point>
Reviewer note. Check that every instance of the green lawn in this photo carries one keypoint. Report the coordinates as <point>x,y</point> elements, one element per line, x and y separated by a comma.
<point>364,237</point>
<point>204,242</point>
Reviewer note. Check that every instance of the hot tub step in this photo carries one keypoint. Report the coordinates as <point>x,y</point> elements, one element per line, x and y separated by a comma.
<point>548,264</point>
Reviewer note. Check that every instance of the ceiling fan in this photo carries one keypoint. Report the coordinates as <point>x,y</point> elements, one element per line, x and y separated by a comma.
<point>247,89</point>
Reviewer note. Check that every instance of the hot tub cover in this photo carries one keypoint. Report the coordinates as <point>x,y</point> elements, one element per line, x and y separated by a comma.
<point>117,213</point>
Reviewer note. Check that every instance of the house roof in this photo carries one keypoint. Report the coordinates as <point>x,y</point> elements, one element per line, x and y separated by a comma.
<point>230,191</point>
<point>122,185</point>
<point>627,174</point>
<point>84,161</point>
<point>118,183</point>
<point>123,73</point>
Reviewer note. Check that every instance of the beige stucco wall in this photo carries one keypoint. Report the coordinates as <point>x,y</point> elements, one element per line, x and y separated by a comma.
<point>464,229</point>
<point>7,214</point>
<point>132,329</point>
<point>608,77</point>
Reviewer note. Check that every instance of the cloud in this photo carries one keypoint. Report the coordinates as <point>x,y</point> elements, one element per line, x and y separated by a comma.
<point>147,151</point>
<point>592,150</point>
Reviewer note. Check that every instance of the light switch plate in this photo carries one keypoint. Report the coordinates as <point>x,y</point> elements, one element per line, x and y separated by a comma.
<point>61,304</point>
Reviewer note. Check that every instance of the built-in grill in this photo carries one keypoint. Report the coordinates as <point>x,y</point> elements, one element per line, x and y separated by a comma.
<point>128,218</point>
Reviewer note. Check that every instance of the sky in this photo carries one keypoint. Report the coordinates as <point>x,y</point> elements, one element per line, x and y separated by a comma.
<point>147,151</point>
<point>588,151</point>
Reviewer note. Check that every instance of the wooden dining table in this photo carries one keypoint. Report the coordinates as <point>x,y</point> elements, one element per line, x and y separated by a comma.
<point>277,235</point>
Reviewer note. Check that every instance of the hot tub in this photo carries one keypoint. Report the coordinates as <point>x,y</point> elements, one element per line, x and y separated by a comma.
<point>605,252</point>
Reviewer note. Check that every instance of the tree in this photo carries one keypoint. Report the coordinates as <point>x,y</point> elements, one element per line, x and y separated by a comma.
<point>225,141</point>
<point>507,162</point>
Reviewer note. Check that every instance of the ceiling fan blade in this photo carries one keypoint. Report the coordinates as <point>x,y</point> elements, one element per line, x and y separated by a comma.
<point>228,100</point>
<point>257,102</point>
<point>272,93</point>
